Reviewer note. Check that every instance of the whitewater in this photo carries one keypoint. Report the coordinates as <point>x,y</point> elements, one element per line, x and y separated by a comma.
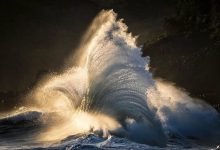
<point>109,100</point>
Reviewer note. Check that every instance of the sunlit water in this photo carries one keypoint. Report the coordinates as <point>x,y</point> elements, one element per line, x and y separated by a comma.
<point>109,100</point>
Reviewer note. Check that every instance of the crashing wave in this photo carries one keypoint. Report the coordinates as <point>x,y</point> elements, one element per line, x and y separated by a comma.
<point>111,91</point>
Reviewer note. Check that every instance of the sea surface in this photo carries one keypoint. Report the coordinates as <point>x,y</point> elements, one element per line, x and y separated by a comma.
<point>109,100</point>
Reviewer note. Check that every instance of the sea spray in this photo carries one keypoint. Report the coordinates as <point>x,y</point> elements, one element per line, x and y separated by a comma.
<point>183,116</point>
<point>111,80</point>
<point>110,91</point>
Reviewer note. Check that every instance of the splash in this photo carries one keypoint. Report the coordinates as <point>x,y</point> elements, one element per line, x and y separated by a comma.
<point>184,116</point>
<point>111,92</point>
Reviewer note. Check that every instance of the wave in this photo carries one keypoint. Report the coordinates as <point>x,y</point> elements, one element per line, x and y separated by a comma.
<point>111,92</point>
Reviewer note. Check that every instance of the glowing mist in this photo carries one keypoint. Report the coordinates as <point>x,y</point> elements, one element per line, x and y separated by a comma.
<point>111,91</point>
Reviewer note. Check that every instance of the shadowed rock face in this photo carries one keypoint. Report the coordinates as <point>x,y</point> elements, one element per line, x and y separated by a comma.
<point>191,62</point>
<point>188,54</point>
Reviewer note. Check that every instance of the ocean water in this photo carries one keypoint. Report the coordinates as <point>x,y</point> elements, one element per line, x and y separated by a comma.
<point>109,100</point>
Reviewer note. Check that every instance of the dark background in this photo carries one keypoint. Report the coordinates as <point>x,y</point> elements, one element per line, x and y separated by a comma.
<point>180,36</point>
